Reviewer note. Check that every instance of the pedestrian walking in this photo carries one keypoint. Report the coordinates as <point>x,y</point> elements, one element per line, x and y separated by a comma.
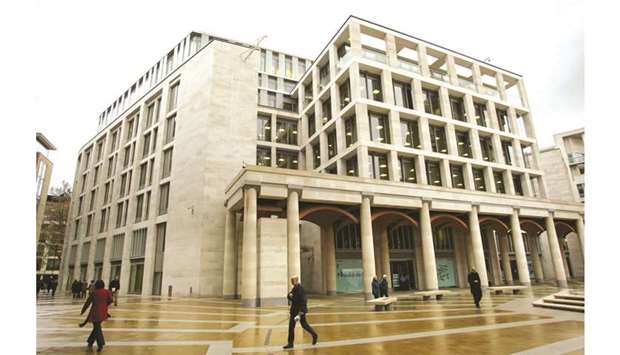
<point>53,285</point>
<point>115,286</point>
<point>299,308</point>
<point>375,287</point>
<point>98,300</point>
<point>74,289</point>
<point>474,286</point>
<point>383,287</point>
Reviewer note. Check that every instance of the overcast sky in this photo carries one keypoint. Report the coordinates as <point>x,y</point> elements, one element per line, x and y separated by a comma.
<point>88,53</point>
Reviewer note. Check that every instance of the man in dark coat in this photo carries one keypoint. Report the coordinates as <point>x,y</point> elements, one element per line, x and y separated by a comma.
<point>74,288</point>
<point>115,286</point>
<point>474,285</point>
<point>375,287</point>
<point>299,308</point>
<point>384,286</point>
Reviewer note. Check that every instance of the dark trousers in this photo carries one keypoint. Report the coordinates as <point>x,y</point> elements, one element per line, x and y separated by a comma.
<point>97,335</point>
<point>384,293</point>
<point>477,294</point>
<point>304,324</point>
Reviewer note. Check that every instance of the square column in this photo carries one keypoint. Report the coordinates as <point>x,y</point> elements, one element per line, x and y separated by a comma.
<point>428,249</point>
<point>519,247</point>
<point>230,256</point>
<point>495,266</point>
<point>330,260</point>
<point>536,262</point>
<point>249,290</point>
<point>556,253</point>
<point>368,248</point>
<point>503,249</point>
<point>581,234</point>
<point>385,255</point>
<point>461,263</point>
<point>293,242</point>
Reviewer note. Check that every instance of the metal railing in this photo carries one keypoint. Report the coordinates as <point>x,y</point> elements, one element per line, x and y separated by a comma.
<point>576,158</point>
<point>409,66</point>
<point>374,55</point>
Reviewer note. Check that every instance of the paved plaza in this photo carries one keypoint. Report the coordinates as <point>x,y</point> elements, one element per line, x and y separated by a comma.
<point>505,324</point>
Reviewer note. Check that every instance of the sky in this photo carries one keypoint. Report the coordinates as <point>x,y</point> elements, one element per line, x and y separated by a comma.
<point>85,54</point>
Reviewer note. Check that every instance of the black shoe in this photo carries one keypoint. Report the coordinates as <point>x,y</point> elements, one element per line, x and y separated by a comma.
<point>287,346</point>
<point>89,346</point>
<point>99,349</point>
<point>315,339</point>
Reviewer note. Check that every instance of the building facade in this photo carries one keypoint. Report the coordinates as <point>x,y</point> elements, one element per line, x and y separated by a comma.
<point>564,166</point>
<point>385,155</point>
<point>49,247</point>
<point>44,176</point>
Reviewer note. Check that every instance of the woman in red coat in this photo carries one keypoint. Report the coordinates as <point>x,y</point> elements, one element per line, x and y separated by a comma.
<point>100,298</point>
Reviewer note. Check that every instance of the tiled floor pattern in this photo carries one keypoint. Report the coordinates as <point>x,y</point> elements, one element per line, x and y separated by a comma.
<point>504,324</point>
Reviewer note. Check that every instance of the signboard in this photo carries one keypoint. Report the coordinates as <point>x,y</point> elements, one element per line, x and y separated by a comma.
<point>349,276</point>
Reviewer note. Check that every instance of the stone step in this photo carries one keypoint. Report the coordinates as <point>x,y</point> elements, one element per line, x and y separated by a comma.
<point>567,296</point>
<point>562,307</point>
<point>555,299</point>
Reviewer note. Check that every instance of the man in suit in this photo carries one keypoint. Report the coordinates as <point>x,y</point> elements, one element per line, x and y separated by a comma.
<point>384,286</point>
<point>299,308</point>
<point>474,286</point>
<point>375,287</point>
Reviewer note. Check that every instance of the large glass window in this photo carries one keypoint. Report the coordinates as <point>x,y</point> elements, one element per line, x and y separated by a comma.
<point>379,127</point>
<point>311,124</point>
<point>507,152</point>
<point>263,128</point>
<point>345,93</point>
<point>463,144</point>
<point>324,75</point>
<point>286,159</point>
<point>263,62</point>
<point>378,166</point>
<point>410,133</point>
<point>263,156</point>
<point>173,97</point>
<point>164,190</point>
<point>504,122</point>
<point>438,139</point>
<point>288,66</point>
<point>167,164</point>
<point>275,63</point>
<point>289,103</point>
<point>351,164</point>
<point>458,181</point>
<point>431,102</point>
<point>171,125</point>
<point>350,130</point>
<point>486,148</point>
<point>479,183</point>
<point>402,94</point>
<point>343,50</point>
<point>286,131</point>
<point>433,173</point>
<point>458,108</point>
<point>316,154</point>
<point>499,182</point>
<point>407,170</point>
<point>526,150</point>
<point>332,148</point>
<point>308,93</point>
<point>326,108</point>
<point>481,114</point>
<point>371,86</point>
<point>516,181</point>
<point>272,83</point>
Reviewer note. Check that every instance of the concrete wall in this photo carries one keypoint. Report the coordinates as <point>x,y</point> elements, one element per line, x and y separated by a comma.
<point>272,261</point>
<point>311,257</point>
<point>559,186</point>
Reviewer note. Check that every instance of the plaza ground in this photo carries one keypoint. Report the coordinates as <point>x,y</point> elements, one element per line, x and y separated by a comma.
<point>504,324</point>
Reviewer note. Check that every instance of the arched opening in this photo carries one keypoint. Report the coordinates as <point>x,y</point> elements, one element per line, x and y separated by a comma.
<point>495,238</point>
<point>570,248</point>
<point>450,237</point>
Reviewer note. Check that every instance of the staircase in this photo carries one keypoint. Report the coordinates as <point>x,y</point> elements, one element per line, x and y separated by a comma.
<point>567,300</point>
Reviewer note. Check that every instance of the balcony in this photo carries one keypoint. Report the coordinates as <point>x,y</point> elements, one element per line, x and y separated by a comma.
<point>575,158</point>
<point>408,65</point>
<point>439,75</point>
<point>374,55</point>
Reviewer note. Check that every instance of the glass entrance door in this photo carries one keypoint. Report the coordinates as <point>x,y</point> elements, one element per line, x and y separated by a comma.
<point>403,275</point>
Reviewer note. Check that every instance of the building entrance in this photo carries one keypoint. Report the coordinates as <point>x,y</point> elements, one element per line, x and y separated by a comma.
<point>446,272</point>
<point>403,275</point>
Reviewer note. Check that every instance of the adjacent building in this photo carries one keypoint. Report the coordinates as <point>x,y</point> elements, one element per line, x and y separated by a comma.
<point>44,175</point>
<point>564,166</point>
<point>228,168</point>
<point>49,247</point>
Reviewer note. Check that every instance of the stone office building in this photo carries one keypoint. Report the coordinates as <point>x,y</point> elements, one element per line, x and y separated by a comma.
<point>387,154</point>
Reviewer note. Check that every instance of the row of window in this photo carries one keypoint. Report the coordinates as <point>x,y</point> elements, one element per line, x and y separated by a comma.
<point>286,130</point>
<point>276,68</point>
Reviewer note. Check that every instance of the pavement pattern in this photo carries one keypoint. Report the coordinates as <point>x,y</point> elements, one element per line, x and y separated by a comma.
<point>505,324</point>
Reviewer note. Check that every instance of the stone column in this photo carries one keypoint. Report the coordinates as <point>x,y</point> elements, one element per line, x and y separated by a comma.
<point>368,249</point>
<point>494,258</point>
<point>330,261</point>
<point>249,289</point>
<point>503,248</point>
<point>556,253</point>
<point>536,262</point>
<point>517,242</point>
<point>230,253</point>
<point>293,243</point>
<point>581,234</point>
<point>470,253</point>
<point>385,256</point>
<point>476,243</point>
<point>459,255</point>
<point>428,249</point>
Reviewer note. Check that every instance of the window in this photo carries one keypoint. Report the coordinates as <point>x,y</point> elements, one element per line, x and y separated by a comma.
<point>526,150</point>
<point>114,142</point>
<point>95,176</point>
<point>289,85</point>
<point>263,128</point>
<point>342,51</point>
<point>106,192</point>
<point>332,169</point>
<point>410,134</point>
<point>103,220</point>
<point>271,99</point>
<point>324,75</point>
<point>516,181</point>
<point>407,170</point>
<point>286,131</point>
<point>458,181</point>
<point>171,125</point>
<point>99,150</point>
<point>400,238</point>
<point>499,182</point>
<point>345,93</point>
<point>301,67</point>
<point>286,159</point>
<point>152,112</point>
<point>142,176</point>
<point>508,152</point>
<point>348,237</point>
<point>581,189</point>
<point>486,148</point>
<point>117,247</point>
<point>139,206</point>
<point>438,139</point>
<point>89,224</point>
<point>316,154</point>
<point>93,193</point>
<point>332,148</point>
<point>272,83</point>
<point>433,173</point>
<point>481,114</point>
<point>503,121</point>
<point>288,66</point>
<point>119,214</point>
<point>463,144</point>
<point>378,166</point>
<point>275,63</point>
<point>263,156</point>
<point>84,182</point>
<point>164,191</point>
<point>80,203</point>
<point>148,205</point>
<point>167,163</point>
<point>76,231</point>
<point>350,131</point>
<point>431,102</point>
<point>121,193</point>
<point>151,165</point>
<point>458,109</point>
<point>263,61</point>
<point>370,86</point>
<point>351,164</point>
<point>129,128</point>
<point>170,61</point>
<point>402,94</point>
<point>311,124</point>
<point>173,96</point>
<point>308,93</point>
<point>326,108</point>
<point>146,145</point>
<point>379,128</point>
<point>479,183</point>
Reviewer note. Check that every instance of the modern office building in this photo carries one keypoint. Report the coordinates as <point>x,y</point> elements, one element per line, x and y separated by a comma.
<point>228,168</point>
<point>564,166</point>
<point>49,246</point>
<point>44,176</point>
